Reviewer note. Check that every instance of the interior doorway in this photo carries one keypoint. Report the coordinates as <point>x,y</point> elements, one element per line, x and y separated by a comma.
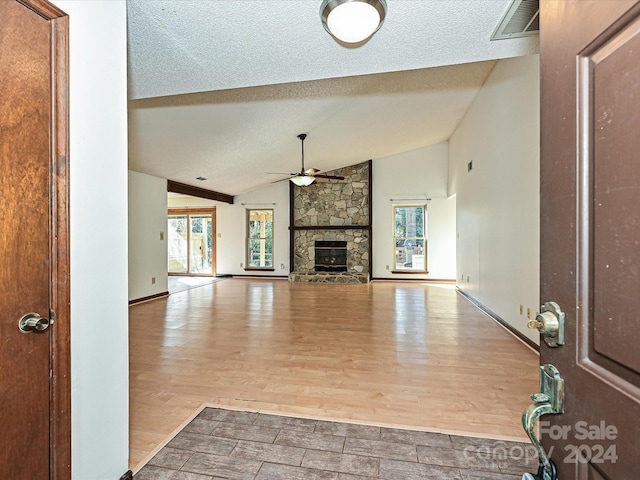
<point>191,242</point>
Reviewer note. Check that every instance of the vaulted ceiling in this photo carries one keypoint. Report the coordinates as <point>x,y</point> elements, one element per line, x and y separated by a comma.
<point>221,88</point>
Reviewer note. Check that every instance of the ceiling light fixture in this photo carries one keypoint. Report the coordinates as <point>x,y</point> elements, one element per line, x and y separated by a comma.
<point>352,21</point>
<point>307,177</point>
<point>303,181</point>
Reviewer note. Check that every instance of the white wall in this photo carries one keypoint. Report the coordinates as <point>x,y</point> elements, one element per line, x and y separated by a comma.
<point>147,235</point>
<point>410,175</point>
<point>185,201</point>
<point>232,221</point>
<point>232,230</point>
<point>417,174</point>
<point>498,200</point>
<point>98,224</point>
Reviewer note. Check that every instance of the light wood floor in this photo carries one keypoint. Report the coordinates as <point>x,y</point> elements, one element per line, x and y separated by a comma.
<point>402,354</point>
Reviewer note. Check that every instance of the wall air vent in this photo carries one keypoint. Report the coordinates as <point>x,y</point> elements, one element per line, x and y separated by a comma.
<point>521,19</point>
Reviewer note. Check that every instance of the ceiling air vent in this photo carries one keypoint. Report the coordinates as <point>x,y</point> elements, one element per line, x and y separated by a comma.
<point>520,20</point>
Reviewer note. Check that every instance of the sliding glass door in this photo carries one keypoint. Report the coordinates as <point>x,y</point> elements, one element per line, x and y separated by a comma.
<point>191,237</point>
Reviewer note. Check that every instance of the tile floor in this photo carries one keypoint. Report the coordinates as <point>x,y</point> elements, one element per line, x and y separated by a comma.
<point>228,444</point>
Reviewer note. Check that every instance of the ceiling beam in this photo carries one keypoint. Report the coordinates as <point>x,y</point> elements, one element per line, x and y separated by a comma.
<point>175,187</point>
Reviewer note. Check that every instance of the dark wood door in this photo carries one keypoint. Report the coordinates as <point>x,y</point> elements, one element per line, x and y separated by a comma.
<point>33,273</point>
<point>590,231</point>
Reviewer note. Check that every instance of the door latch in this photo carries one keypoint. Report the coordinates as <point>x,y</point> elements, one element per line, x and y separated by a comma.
<point>550,323</point>
<point>550,400</point>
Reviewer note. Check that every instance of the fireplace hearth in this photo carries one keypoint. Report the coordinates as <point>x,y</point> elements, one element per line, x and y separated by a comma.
<point>330,256</point>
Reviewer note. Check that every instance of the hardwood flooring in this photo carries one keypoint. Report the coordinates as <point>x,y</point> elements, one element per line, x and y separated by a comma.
<point>398,354</point>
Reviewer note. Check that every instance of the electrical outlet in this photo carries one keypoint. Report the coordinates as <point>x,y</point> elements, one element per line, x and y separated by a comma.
<point>521,309</point>
<point>153,280</point>
<point>467,278</point>
<point>241,264</point>
<point>387,267</point>
<point>161,235</point>
<point>219,235</point>
<point>528,313</point>
<point>282,266</point>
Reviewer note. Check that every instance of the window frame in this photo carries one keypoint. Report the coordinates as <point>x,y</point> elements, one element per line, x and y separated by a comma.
<point>247,265</point>
<point>410,270</point>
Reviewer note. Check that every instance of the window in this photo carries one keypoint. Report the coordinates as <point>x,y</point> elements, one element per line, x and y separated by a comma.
<point>409,238</point>
<point>260,239</point>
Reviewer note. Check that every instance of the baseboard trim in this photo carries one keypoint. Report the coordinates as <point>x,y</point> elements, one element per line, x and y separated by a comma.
<point>530,343</point>
<point>127,476</point>
<point>150,297</point>
<point>421,280</point>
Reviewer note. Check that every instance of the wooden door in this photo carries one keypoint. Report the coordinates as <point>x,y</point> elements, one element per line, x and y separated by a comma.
<point>34,367</point>
<point>590,232</point>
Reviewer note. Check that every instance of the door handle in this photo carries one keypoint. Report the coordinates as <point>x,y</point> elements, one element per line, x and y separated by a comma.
<point>33,322</point>
<point>550,400</point>
<point>541,474</point>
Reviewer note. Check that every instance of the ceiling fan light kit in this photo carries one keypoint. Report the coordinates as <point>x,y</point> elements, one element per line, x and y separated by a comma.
<point>307,177</point>
<point>302,181</point>
<point>352,21</point>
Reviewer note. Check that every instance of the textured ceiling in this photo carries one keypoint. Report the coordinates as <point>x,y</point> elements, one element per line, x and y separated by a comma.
<point>221,88</point>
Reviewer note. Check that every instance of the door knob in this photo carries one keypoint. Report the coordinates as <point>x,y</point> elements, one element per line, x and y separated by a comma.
<point>32,322</point>
<point>550,323</point>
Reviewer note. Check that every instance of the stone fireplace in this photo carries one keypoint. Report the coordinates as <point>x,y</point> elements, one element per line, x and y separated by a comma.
<point>330,228</point>
<point>330,256</point>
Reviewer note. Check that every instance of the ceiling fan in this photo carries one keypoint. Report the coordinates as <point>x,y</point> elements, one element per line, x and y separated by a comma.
<point>307,177</point>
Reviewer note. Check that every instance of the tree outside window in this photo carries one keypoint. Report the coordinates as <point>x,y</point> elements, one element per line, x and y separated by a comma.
<point>409,240</point>
<point>260,238</point>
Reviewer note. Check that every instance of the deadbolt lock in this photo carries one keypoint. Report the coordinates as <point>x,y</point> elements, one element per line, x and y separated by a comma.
<point>550,323</point>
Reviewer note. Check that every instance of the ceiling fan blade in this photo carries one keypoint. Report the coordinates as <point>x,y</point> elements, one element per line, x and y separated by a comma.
<point>332,177</point>
<point>281,180</point>
<point>311,172</point>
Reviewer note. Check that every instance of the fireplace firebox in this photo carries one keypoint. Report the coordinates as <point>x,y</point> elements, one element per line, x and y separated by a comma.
<point>331,256</point>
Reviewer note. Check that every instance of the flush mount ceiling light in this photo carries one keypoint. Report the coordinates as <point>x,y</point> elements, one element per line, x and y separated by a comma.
<point>352,21</point>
